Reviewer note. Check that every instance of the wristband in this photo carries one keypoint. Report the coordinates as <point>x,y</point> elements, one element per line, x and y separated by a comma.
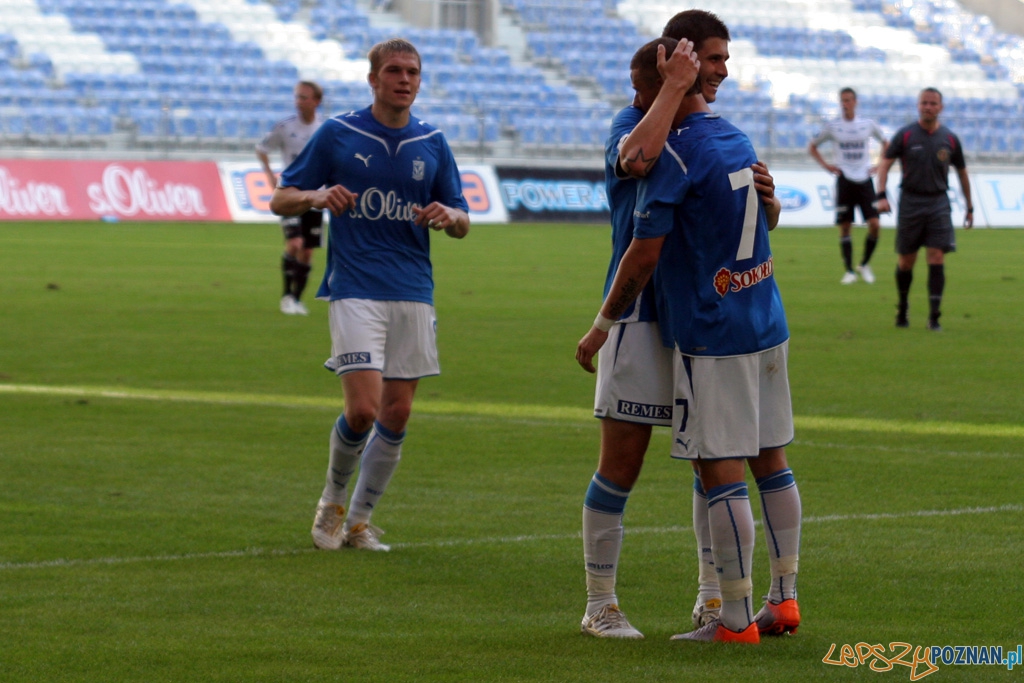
<point>970,209</point>
<point>602,323</point>
<point>881,195</point>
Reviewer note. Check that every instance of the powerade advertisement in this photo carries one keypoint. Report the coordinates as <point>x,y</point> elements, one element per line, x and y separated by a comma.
<point>553,195</point>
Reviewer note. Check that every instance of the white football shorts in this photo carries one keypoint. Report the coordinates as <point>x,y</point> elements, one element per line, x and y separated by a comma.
<point>634,376</point>
<point>396,338</point>
<point>731,407</point>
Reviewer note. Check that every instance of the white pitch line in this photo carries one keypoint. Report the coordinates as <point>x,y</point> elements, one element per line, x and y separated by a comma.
<point>494,540</point>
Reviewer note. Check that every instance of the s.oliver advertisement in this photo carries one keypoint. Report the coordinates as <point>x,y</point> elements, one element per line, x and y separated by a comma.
<point>248,192</point>
<point>112,190</point>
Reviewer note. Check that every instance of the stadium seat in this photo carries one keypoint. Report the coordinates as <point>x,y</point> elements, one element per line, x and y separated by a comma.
<point>14,128</point>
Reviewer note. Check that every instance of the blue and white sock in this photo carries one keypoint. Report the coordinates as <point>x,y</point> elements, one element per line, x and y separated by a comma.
<point>782,513</point>
<point>346,446</point>
<point>603,509</point>
<point>380,460</point>
<point>732,536</point>
<point>707,578</point>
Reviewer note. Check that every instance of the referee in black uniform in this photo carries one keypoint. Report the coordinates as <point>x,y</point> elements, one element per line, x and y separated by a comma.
<point>926,149</point>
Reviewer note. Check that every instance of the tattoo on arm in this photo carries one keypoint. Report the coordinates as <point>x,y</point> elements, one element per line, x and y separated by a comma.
<point>640,162</point>
<point>630,291</point>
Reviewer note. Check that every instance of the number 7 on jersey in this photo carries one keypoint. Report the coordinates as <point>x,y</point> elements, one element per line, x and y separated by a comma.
<point>744,178</point>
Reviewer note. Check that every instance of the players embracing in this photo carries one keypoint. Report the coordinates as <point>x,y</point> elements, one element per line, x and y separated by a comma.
<point>748,205</point>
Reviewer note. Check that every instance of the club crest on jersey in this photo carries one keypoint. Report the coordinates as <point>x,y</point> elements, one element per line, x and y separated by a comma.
<point>727,281</point>
<point>419,167</point>
<point>943,155</point>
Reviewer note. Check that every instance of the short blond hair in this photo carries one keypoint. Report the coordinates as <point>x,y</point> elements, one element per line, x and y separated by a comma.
<point>384,49</point>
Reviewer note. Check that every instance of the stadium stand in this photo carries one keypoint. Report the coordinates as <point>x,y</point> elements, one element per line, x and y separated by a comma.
<point>213,75</point>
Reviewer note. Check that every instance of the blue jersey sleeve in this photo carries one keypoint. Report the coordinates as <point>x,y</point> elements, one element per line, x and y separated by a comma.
<point>622,125</point>
<point>311,169</point>
<point>448,184</point>
<point>658,195</point>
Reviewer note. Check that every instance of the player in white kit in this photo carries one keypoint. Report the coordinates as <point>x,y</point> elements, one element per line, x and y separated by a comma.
<point>851,138</point>
<point>302,234</point>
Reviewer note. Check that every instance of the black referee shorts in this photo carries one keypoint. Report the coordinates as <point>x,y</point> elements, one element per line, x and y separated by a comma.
<point>924,221</point>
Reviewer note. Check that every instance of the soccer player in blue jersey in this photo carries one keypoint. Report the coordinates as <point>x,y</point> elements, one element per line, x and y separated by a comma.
<point>387,179</point>
<point>699,220</point>
<point>633,388</point>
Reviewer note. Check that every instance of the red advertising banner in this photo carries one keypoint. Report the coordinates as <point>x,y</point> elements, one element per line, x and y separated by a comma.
<point>128,190</point>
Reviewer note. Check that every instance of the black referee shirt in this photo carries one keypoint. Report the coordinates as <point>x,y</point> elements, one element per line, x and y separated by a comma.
<point>925,158</point>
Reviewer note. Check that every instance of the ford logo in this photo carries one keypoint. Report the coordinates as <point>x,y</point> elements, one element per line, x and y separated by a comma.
<point>792,199</point>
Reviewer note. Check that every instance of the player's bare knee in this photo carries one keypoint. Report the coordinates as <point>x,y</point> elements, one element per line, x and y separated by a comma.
<point>768,461</point>
<point>395,415</point>
<point>360,415</point>
<point>623,472</point>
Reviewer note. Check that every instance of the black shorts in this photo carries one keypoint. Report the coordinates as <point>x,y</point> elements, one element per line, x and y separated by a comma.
<point>308,226</point>
<point>850,195</point>
<point>924,221</point>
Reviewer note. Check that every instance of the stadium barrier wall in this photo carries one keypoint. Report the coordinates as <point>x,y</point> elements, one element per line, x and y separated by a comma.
<point>238,191</point>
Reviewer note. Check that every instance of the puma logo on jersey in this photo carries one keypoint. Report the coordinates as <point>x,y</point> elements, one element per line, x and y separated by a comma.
<point>365,160</point>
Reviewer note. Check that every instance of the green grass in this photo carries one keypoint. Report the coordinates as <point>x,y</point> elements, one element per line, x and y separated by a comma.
<point>163,442</point>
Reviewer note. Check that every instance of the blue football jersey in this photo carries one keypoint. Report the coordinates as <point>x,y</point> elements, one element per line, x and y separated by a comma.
<point>375,250</point>
<point>621,190</point>
<point>716,292</point>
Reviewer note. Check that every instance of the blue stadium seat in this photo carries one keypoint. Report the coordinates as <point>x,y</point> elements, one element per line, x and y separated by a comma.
<point>14,128</point>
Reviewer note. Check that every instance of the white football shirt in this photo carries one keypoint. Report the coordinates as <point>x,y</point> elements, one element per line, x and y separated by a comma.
<point>851,140</point>
<point>289,135</point>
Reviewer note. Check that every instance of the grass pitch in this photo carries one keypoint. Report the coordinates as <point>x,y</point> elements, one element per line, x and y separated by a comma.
<point>163,436</point>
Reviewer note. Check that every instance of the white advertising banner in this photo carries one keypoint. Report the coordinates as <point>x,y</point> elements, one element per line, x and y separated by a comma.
<point>807,195</point>
<point>808,198</point>
<point>999,198</point>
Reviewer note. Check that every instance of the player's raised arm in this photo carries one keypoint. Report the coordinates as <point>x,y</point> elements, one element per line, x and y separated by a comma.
<point>642,147</point>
